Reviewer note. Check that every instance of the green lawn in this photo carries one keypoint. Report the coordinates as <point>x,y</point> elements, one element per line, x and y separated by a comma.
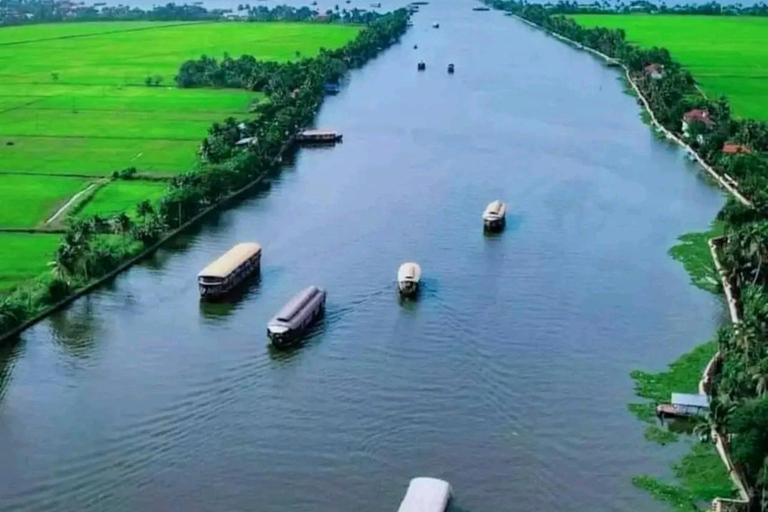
<point>24,257</point>
<point>27,201</point>
<point>728,55</point>
<point>122,196</point>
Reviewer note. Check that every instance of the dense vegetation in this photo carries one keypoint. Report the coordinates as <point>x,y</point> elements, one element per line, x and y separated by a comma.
<point>740,392</point>
<point>19,12</point>
<point>94,246</point>
<point>644,6</point>
<point>736,69</point>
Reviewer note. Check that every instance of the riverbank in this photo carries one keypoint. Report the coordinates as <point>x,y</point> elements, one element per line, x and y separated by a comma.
<point>295,92</point>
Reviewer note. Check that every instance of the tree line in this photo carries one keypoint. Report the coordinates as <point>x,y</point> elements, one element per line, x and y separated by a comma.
<point>740,392</point>
<point>93,247</point>
<point>643,6</point>
<point>17,12</point>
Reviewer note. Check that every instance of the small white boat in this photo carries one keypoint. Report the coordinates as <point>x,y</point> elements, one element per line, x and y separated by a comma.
<point>435,25</point>
<point>426,495</point>
<point>494,215</point>
<point>408,277</point>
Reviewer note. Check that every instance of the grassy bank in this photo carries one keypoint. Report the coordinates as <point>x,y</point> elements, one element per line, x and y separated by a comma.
<point>725,54</point>
<point>75,107</point>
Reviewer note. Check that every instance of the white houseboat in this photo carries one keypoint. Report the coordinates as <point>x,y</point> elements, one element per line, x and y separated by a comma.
<point>290,322</point>
<point>426,495</point>
<point>408,277</point>
<point>231,269</point>
<point>494,216</point>
<point>318,137</point>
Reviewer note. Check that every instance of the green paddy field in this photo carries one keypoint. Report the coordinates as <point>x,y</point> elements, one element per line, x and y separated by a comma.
<point>74,107</point>
<point>727,55</point>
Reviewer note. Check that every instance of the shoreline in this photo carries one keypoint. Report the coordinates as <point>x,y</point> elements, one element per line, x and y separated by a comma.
<point>647,108</point>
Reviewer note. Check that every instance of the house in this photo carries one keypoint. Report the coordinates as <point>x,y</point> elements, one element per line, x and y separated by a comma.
<point>654,71</point>
<point>730,148</point>
<point>684,405</point>
<point>696,116</point>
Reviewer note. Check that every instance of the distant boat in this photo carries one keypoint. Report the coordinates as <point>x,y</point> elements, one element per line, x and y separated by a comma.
<point>494,216</point>
<point>435,25</point>
<point>450,69</point>
<point>376,5</point>
<point>408,278</point>
<point>318,137</point>
<point>426,495</point>
<point>421,66</point>
<point>480,9</point>
<point>332,88</point>
<point>293,319</point>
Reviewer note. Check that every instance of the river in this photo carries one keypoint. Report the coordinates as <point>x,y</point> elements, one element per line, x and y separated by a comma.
<point>509,376</point>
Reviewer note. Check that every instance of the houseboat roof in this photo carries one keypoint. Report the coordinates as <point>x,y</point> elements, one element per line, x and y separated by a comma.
<point>687,400</point>
<point>426,495</point>
<point>233,258</point>
<point>318,133</point>
<point>494,208</point>
<point>409,271</point>
<point>295,305</point>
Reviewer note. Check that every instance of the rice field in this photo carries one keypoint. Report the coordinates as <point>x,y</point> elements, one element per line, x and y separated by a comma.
<point>27,201</point>
<point>727,55</point>
<point>122,196</point>
<point>74,107</point>
<point>24,257</point>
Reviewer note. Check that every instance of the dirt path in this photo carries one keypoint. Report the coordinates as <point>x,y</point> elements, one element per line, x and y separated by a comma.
<point>69,203</point>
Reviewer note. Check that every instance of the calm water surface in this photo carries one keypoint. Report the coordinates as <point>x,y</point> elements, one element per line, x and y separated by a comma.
<point>509,377</point>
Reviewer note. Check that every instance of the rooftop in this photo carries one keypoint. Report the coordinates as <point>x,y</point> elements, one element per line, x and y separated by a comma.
<point>690,400</point>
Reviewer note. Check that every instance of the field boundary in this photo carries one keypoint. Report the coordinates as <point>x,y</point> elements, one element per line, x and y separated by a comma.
<point>77,36</point>
<point>646,106</point>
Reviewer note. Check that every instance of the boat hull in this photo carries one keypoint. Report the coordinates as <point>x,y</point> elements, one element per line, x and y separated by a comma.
<point>494,225</point>
<point>408,288</point>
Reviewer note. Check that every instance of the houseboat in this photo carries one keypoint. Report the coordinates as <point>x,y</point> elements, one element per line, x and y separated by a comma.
<point>684,405</point>
<point>421,66</point>
<point>290,322</point>
<point>318,137</point>
<point>408,278</point>
<point>332,88</point>
<point>426,495</point>
<point>231,269</point>
<point>494,216</point>
<point>450,69</point>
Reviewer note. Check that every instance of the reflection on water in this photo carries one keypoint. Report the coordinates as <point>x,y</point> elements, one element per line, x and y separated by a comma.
<point>219,310</point>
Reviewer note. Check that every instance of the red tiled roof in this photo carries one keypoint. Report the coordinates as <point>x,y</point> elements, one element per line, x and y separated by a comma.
<point>734,149</point>
<point>652,68</point>
<point>699,115</point>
